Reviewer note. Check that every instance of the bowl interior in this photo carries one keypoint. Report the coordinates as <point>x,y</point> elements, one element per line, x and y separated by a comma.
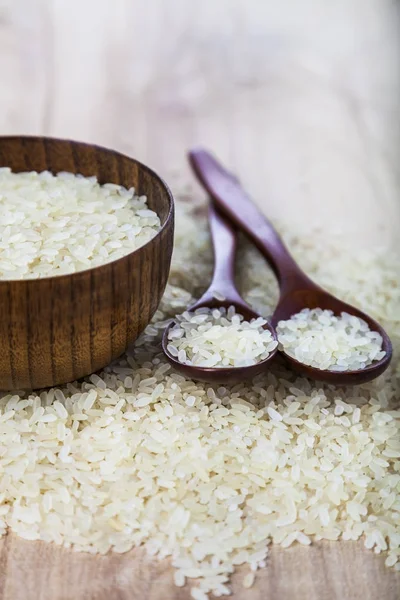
<point>24,153</point>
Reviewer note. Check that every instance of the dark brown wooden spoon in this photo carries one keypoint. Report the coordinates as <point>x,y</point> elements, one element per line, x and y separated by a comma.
<point>223,236</point>
<point>297,291</point>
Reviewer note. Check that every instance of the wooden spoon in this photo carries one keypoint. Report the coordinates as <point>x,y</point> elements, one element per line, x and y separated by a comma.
<point>297,291</point>
<point>222,285</point>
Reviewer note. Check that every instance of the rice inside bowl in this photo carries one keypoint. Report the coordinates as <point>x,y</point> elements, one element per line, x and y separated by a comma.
<point>64,223</point>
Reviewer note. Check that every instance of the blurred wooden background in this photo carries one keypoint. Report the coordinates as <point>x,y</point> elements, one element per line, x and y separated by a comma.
<point>300,97</point>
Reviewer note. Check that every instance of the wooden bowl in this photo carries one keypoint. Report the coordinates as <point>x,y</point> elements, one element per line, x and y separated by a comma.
<point>58,329</point>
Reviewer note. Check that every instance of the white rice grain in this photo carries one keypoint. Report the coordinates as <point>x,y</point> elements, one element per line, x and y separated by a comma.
<point>219,338</point>
<point>126,459</point>
<point>320,339</point>
<point>60,224</point>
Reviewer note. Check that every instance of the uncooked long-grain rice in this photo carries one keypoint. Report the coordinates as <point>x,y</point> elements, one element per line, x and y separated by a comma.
<point>207,474</point>
<point>59,224</point>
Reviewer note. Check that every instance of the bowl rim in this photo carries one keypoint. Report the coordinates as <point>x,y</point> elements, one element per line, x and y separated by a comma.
<point>65,276</point>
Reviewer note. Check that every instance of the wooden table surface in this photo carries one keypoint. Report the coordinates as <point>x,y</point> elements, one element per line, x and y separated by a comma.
<point>301,98</point>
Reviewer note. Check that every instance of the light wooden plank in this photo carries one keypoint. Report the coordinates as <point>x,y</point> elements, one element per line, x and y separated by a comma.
<point>326,571</point>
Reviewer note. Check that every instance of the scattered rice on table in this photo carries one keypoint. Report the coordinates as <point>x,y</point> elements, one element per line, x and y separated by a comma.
<point>320,339</point>
<point>219,338</point>
<point>59,224</point>
<point>206,474</point>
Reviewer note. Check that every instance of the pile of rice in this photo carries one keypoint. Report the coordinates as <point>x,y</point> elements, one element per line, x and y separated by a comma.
<point>58,224</point>
<point>206,474</point>
<point>219,338</point>
<point>320,339</point>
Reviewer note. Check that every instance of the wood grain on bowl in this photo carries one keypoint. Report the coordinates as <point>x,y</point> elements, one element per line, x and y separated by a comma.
<point>58,329</point>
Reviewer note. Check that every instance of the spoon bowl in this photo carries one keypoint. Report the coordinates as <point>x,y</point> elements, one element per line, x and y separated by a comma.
<point>297,290</point>
<point>227,375</point>
<point>315,297</point>
<point>224,243</point>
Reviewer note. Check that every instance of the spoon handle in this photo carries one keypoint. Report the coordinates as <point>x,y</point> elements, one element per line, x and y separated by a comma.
<point>232,200</point>
<point>223,235</point>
